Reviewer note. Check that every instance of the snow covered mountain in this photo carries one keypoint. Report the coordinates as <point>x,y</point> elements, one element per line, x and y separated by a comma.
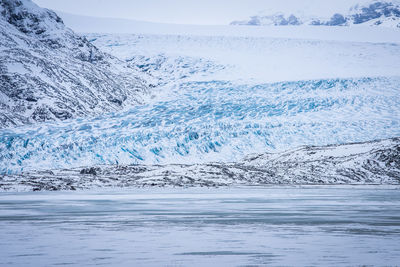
<point>376,13</point>
<point>47,72</point>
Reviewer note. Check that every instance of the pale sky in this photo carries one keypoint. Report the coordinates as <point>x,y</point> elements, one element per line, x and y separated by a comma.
<point>195,11</point>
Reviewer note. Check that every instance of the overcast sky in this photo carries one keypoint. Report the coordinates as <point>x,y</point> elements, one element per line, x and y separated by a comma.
<point>194,11</point>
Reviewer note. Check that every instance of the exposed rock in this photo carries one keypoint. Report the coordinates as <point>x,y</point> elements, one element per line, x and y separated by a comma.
<point>337,20</point>
<point>91,170</point>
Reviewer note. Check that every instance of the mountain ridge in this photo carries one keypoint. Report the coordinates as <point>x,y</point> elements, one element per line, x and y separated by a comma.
<point>375,13</point>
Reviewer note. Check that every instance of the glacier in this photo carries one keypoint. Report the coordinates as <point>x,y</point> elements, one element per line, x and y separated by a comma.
<point>218,98</point>
<point>213,121</point>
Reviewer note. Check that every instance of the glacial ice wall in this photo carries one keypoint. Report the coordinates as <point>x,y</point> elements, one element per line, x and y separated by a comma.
<point>213,121</point>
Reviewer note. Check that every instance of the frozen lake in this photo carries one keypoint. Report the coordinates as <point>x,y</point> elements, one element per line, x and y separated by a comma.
<point>242,226</point>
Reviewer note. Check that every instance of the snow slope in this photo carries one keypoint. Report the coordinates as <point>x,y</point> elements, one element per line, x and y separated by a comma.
<point>262,59</point>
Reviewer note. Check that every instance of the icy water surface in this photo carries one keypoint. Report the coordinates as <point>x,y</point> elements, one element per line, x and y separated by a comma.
<point>202,227</point>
